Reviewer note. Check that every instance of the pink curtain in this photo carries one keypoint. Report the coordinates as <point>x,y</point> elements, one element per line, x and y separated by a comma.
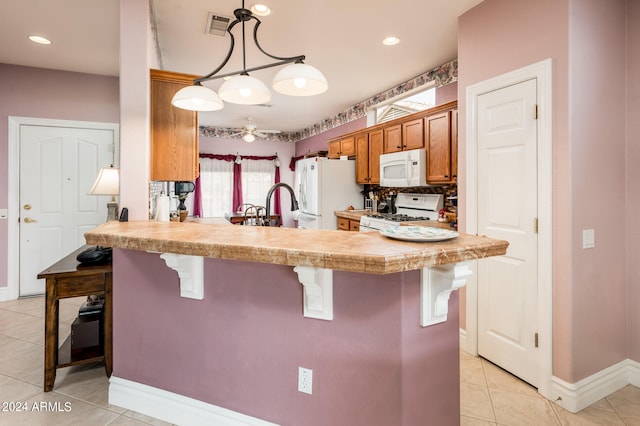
<point>237,187</point>
<point>237,181</point>
<point>197,197</point>
<point>294,160</point>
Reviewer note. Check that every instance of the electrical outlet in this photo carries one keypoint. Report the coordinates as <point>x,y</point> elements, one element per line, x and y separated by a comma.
<point>305,380</point>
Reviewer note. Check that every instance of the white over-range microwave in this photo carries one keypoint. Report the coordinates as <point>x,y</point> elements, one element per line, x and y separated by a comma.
<point>404,168</point>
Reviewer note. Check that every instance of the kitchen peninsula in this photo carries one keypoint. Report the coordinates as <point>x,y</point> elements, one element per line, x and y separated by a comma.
<point>221,341</point>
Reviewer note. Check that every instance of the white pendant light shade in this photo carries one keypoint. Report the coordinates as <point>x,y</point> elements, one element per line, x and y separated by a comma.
<point>197,98</point>
<point>249,138</point>
<point>244,90</point>
<point>300,80</point>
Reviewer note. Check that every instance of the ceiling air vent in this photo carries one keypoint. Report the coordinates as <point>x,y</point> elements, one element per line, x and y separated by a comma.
<point>217,24</point>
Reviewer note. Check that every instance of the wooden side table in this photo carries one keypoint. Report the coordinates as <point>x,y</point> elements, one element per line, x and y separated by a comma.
<point>68,278</point>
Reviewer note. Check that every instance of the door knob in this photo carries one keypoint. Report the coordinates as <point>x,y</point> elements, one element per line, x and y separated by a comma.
<point>29,220</point>
<point>27,207</point>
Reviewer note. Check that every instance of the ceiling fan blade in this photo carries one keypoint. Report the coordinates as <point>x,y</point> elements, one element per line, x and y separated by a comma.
<point>270,131</point>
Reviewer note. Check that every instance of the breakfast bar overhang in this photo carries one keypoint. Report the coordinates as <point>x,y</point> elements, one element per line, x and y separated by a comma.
<point>212,322</point>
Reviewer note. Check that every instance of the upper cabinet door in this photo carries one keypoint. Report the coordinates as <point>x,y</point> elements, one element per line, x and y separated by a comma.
<point>413,134</point>
<point>362,158</point>
<point>376,146</point>
<point>438,131</point>
<point>393,138</point>
<point>174,131</point>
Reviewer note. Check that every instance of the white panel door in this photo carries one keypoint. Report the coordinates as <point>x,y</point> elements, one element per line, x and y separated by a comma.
<point>58,166</point>
<point>507,210</point>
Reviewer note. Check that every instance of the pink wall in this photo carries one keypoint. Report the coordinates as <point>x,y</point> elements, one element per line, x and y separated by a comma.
<point>40,93</point>
<point>240,347</point>
<point>585,40</point>
<point>597,141</point>
<point>285,151</point>
<point>633,177</point>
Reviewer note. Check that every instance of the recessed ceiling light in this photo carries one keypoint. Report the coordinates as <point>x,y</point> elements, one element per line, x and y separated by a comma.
<point>391,41</point>
<point>260,9</point>
<point>39,39</point>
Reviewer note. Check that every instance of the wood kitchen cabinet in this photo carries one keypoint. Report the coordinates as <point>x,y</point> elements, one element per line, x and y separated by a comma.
<point>435,130</point>
<point>346,146</point>
<point>393,138</point>
<point>345,224</point>
<point>413,134</point>
<point>404,136</point>
<point>369,147</point>
<point>438,144</point>
<point>174,131</point>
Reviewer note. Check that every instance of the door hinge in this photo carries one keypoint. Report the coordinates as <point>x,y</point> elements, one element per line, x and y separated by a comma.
<point>535,112</point>
<point>535,340</point>
<point>535,225</point>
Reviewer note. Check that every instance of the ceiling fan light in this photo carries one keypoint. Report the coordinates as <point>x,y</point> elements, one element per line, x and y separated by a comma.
<point>300,80</point>
<point>197,98</point>
<point>249,138</point>
<point>244,90</point>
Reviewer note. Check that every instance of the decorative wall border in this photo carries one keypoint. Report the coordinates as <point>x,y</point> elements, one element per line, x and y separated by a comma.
<point>441,75</point>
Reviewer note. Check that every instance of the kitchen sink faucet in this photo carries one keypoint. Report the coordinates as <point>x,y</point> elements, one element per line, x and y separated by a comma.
<point>294,202</point>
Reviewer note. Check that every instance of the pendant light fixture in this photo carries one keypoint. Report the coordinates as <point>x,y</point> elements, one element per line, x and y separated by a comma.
<point>296,79</point>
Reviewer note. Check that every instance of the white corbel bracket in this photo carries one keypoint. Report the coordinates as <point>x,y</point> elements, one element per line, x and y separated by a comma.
<point>317,298</point>
<point>190,270</point>
<point>436,285</point>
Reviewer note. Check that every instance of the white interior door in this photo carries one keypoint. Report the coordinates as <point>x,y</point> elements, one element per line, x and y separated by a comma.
<point>507,210</point>
<point>58,166</point>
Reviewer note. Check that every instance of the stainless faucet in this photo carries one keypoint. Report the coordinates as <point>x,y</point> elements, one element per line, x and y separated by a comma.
<point>294,202</point>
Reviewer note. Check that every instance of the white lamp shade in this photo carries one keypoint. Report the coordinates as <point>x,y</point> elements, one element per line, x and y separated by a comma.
<point>249,138</point>
<point>300,80</point>
<point>107,183</point>
<point>197,98</point>
<point>244,90</point>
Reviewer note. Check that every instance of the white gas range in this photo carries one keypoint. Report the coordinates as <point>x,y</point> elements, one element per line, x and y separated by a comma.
<point>409,208</point>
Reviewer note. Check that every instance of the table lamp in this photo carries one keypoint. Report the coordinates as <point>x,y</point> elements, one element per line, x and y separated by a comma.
<point>108,183</point>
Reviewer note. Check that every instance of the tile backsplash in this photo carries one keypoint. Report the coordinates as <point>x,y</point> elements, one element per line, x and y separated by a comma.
<point>447,190</point>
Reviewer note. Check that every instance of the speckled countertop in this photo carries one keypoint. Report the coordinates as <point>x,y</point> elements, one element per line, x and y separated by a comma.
<point>367,252</point>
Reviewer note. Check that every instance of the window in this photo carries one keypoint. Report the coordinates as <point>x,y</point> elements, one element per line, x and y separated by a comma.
<point>407,105</point>
<point>216,184</point>
<point>257,178</point>
<point>216,181</point>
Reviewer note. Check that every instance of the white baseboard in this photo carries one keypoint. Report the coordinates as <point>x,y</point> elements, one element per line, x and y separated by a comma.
<point>4,294</point>
<point>463,339</point>
<point>573,397</point>
<point>174,408</point>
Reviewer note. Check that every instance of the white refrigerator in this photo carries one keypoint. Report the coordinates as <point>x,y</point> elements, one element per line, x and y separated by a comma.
<point>324,186</point>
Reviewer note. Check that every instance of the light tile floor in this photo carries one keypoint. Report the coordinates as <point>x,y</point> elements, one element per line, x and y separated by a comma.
<point>79,396</point>
<point>489,395</point>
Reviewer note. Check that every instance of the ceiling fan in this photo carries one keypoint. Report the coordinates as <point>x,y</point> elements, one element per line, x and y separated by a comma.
<point>250,131</point>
